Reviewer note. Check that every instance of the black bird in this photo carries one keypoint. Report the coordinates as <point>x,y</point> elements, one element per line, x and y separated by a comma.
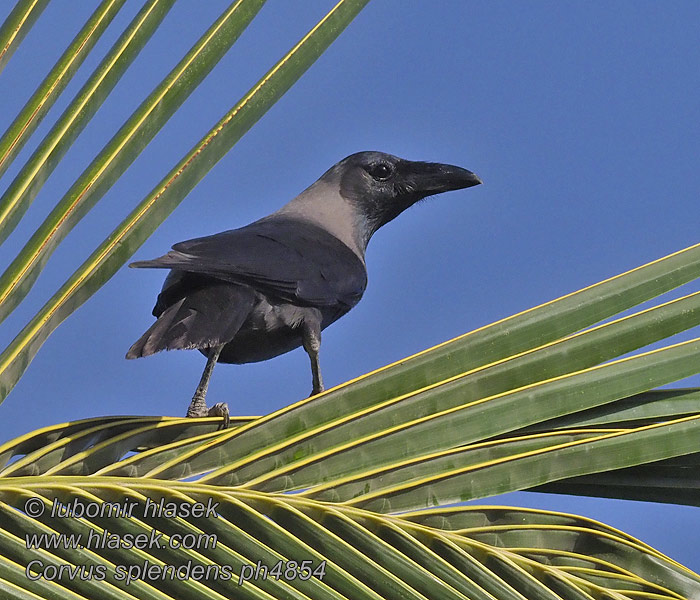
<point>253,293</point>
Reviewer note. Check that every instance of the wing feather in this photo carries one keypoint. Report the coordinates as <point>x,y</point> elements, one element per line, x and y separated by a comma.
<point>290,259</point>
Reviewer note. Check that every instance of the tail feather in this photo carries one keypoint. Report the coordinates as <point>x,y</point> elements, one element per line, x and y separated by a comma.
<point>205,317</point>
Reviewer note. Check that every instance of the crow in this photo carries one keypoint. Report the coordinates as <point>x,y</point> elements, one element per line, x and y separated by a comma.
<point>253,293</point>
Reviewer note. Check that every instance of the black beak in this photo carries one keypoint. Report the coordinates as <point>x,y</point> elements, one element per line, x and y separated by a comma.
<point>434,178</point>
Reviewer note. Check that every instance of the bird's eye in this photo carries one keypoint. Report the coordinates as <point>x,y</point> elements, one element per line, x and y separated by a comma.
<point>380,171</point>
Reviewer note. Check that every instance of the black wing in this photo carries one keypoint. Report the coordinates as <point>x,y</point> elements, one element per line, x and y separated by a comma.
<point>289,259</point>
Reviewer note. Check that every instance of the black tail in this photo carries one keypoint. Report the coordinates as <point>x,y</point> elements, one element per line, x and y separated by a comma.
<point>205,317</point>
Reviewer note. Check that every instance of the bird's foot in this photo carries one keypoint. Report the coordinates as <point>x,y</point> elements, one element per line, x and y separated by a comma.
<point>198,408</point>
<point>220,409</point>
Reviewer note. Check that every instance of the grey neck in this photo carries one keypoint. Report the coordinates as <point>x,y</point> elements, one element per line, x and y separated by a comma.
<point>323,205</point>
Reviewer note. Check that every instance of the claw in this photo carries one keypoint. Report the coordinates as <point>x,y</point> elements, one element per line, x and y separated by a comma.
<point>220,409</point>
<point>198,408</point>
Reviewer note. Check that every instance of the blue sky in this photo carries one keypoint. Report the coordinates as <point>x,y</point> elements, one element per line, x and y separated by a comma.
<point>583,120</point>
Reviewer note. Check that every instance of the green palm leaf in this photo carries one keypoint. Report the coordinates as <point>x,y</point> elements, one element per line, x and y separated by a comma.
<point>444,553</point>
<point>48,91</point>
<point>17,25</point>
<point>122,150</point>
<point>26,185</point>
<point>673,481</point>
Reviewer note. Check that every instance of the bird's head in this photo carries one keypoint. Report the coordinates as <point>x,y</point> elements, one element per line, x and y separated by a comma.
<point>382,186</point>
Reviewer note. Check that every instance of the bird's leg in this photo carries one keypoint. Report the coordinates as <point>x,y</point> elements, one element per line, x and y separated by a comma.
<point>312,345</point>
<point>198,406</point>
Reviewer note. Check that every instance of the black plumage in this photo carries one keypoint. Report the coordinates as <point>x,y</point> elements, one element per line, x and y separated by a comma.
<point>232,280</point>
